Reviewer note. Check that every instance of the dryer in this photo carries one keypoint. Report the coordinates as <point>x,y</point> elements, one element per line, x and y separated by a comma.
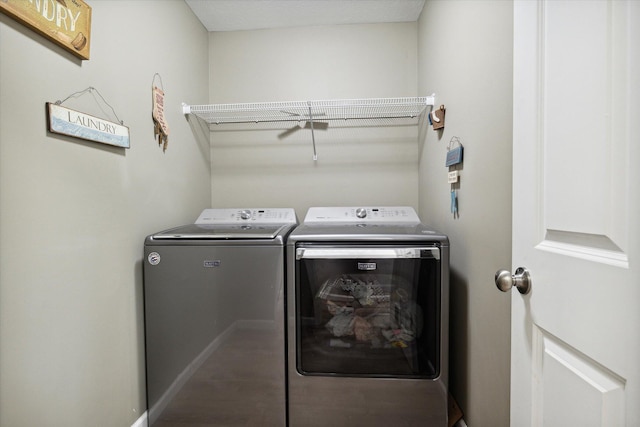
<point>214,319</point>
<point>367,319</point>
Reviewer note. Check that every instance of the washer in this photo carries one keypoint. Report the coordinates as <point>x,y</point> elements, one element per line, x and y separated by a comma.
<point>214,319</point>
<point>367,319</point>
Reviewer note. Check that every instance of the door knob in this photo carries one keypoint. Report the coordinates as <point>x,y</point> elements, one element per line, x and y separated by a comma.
<point>521,280</point>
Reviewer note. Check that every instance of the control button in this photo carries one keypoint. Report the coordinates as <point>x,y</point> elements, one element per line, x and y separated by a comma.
<point>245,214</point>
<point>361,212</point>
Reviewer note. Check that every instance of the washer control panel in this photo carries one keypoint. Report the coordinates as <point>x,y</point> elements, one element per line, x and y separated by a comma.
<point>383,214</point>
<point>234,216</point>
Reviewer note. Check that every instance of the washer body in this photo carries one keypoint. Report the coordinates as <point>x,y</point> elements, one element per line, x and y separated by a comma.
<point>367,319</point>
<point>214,319</point>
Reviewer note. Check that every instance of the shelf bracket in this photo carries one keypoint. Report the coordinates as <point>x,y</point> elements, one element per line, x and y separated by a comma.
<point>431,100</point>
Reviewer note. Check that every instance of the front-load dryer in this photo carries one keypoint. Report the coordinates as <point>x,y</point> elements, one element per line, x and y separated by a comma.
<point>214,320</point>
<point>367,319</point>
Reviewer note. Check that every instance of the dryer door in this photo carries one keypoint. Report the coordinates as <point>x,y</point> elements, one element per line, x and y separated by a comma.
<point>368,310</point>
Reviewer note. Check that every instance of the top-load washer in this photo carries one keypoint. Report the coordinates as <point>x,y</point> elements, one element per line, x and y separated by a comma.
<point>214,319</point>
<point>367,310</point>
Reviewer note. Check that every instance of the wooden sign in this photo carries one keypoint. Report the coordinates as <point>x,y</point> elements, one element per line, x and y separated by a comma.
<point>161,128</point>
<point>65,22</point>
<point>73,123</point>
<point>437,118</point>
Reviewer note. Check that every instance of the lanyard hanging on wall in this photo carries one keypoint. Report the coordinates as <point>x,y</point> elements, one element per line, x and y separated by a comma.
<point>454,158</point>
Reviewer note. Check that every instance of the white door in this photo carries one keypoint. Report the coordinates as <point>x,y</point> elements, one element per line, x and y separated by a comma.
<point>576,213</point>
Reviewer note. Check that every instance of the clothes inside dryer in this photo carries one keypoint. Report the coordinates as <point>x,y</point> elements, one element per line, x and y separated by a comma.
<point>376,323</point>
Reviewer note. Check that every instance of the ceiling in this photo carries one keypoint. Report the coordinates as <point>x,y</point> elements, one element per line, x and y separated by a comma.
<point>235,15</point>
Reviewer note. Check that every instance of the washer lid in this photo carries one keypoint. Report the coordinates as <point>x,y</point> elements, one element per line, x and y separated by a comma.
<point>221,232</point>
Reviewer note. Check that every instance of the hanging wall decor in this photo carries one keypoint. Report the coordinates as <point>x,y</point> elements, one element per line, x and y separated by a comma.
<point>65,121</point>
<point>65,22</point>
<point>436,117</point>
<point>453,161</point>
<point>160,126</point>
<point>454,152</point>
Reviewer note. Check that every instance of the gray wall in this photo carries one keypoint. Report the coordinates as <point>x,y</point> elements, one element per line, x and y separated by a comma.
<point>357,165</point>
<point>74,214</point>
<point>465,53</point>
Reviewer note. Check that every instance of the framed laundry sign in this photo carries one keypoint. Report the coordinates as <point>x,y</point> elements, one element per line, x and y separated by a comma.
<point>73,123</point>
<point>65,22</point>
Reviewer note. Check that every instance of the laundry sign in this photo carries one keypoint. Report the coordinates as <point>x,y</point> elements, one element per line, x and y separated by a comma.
<point>73,123</point>
<point>64,22</point>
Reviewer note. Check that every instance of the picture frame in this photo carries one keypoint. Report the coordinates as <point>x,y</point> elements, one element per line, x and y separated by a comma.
<point>67,23</point>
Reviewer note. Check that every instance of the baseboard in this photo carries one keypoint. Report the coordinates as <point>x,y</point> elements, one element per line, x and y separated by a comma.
<point>142,421</point>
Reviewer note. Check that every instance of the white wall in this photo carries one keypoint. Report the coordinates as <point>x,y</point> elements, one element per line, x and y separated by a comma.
<point>356,165</point>
<point>465,54</point>
<point>74,213</point>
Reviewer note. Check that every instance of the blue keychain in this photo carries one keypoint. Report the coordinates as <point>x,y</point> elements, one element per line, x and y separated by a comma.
<point>454,203</point>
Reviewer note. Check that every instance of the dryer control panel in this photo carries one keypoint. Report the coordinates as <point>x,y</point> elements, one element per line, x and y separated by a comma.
<point>382,214</point>
<point>258,215</point>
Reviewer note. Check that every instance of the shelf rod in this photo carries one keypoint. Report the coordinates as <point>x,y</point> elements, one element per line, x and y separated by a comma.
<point>313,136</point>
<point>302,119</point>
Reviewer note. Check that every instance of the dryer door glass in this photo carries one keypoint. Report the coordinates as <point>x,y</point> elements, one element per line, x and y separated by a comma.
<point>371,311</point>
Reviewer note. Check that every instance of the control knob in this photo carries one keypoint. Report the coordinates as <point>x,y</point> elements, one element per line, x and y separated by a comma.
<point>361,212</point>
<point>245,214</point>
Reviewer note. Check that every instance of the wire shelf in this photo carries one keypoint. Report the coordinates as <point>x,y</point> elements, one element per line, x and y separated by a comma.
<point>292,111</point>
